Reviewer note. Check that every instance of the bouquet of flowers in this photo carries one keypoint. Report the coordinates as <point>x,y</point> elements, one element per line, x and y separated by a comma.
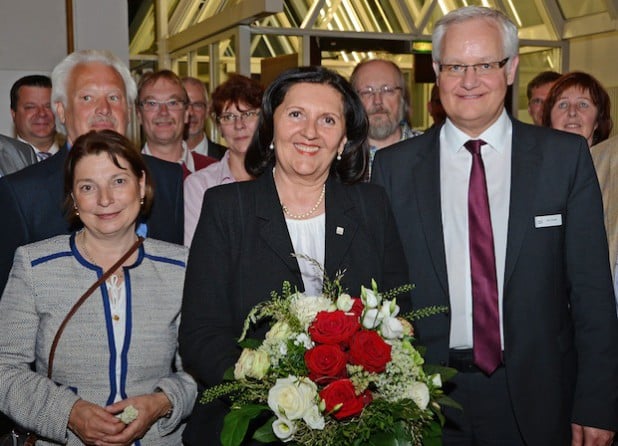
<point>334,370</point>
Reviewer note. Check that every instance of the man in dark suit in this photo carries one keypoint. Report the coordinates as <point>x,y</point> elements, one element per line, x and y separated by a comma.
<point>512,230</point>
<point>92,90</point>
<point>198,109</point>
<point>14,155</point>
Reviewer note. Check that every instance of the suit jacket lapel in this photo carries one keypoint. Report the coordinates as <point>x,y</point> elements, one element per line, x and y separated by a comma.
<point>341,225</point>
<point>525,163</point>
<point>426,176</point>
<point>273,229</point>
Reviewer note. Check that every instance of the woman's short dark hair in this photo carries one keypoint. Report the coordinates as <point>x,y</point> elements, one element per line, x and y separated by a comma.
<point>351,168</point>
<point>115,146</point>
<point>236,89</point>
<point>598,94</point>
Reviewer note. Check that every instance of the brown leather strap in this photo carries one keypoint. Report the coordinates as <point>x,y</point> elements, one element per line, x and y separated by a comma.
<point>85,296</point>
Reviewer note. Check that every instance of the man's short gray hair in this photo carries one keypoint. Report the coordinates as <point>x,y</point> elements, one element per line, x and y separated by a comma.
<point>508,30</point>
<point>62,73</point>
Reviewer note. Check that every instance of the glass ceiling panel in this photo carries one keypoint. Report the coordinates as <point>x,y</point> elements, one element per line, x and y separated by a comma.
<point>572,9</point>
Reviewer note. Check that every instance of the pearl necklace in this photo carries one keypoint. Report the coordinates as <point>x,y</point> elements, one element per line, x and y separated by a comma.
<point>310,212</point>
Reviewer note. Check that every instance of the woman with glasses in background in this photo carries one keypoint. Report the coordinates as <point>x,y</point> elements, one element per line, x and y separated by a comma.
<point>236,108</point>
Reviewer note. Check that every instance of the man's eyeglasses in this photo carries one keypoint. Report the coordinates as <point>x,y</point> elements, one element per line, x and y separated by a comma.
<point>231,118</point>
<point>151,105</point>
<point>537,102</point>
<point>480,69</point>
<point>385,90</point>
<point>197,105</point>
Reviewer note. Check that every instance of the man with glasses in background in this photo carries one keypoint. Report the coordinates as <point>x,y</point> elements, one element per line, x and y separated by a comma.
<point>198,108</point>
<point>162,110</point>
<point>502,222</point>
<point>381,87</point>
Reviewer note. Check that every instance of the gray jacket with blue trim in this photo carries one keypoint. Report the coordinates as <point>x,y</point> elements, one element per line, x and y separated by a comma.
<point>46,280</point>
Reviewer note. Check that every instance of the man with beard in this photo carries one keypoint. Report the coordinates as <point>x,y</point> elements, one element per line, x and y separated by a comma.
<point>381,87</point>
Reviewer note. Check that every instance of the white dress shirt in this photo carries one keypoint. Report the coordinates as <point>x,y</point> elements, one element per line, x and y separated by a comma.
<point>455,165</point>
<point>52,150</point>
<point>202,146</point>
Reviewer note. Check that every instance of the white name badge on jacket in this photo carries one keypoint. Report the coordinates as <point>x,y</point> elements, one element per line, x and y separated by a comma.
<point>546,221</point>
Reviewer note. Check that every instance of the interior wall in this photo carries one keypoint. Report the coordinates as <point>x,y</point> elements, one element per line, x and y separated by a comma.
<point>597,55</point>
<point>33,36</point>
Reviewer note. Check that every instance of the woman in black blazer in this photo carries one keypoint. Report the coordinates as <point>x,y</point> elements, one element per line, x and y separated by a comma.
<point>309,155</point>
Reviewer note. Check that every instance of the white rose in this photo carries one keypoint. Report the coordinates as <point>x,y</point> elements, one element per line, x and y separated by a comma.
<point>292,397</point>
<point>314,418</point>
<point>345,302</point>
<point>280,330</point>
<point>284,429</point>
<point>251,364</point>
<point>419,393</point>
<point>369,298</point>
<point>391,328</point>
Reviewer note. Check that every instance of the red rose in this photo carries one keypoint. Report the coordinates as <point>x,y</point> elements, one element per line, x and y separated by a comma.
<point>368,349</point>
<point>342,392</point>
<point>326,363</point>
<point>357,307</point>
<point>333,327</point>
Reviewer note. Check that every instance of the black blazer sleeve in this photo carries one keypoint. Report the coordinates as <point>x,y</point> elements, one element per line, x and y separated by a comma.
<point>166,220</point>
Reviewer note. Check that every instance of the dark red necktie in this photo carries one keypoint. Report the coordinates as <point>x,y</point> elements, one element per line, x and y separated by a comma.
<point>485,318</point>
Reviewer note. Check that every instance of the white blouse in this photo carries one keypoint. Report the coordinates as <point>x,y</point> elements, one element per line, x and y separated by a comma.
<point>308,238</point>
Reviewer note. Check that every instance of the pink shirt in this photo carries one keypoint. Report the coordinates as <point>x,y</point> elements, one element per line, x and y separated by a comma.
<point>196,185</point>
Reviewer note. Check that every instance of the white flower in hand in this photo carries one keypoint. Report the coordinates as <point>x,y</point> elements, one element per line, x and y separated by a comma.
<point>370,298</point>
<point>284,429</point>
<point>371,318</point>
<point>251,364</point>
<point>419,393</point>
<point>345,302</point>
<point>314,418</point>
<point>391,328</point>
<point>292,397</point>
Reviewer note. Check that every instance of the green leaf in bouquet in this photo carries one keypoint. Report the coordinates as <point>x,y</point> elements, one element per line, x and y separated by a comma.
<point>236,423</point>
<point>432,434</point>
<point>265,433</point>
<point>250,343</point>
<point>446,373</point>
<point>390,439</point>
<point>228,375</point>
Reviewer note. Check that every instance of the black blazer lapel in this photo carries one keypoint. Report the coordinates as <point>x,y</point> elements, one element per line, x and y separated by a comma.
<point>525,164</point>
<point>341,225</point>
<point>426,176</point>
<point>273,229</point>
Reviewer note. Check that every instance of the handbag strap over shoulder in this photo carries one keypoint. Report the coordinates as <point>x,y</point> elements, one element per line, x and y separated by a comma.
<point>85,296</point>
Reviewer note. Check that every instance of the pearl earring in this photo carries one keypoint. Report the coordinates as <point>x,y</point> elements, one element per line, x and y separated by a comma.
<point>272,146</point>
<point>338,156</point>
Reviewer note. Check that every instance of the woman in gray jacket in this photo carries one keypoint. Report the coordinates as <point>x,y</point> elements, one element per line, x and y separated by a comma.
<point>120,347</point>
